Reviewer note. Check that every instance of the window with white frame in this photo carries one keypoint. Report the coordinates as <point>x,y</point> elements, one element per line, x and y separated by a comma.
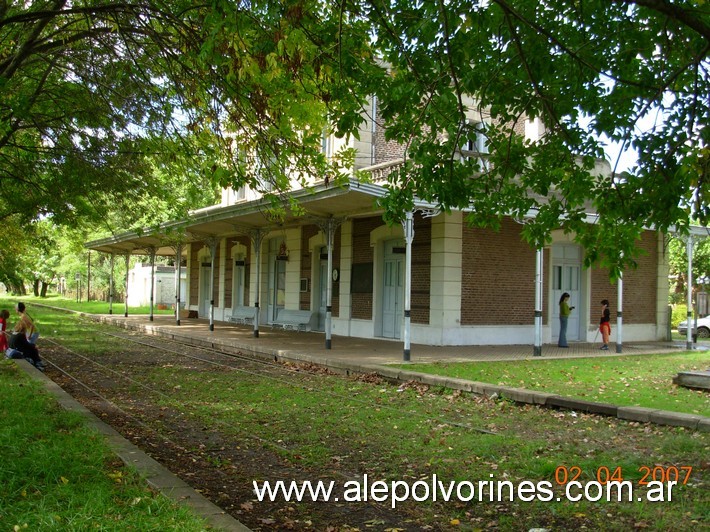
<point>476,143</point>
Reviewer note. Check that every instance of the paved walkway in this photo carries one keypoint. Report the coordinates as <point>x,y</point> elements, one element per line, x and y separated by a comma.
<point>361,351</point>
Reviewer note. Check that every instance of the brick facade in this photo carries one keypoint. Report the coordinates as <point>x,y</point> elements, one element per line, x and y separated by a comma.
<point>640,286</point>
<point>498,277</point>
<point>363,254</point>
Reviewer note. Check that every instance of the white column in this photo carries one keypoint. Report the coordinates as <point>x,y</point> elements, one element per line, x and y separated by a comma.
<point>152,280</point>
<point>445,271</point>
<point>128,265</point>
<point>329,235</point>
<point>256,239</point>
<point>178,275</point>
<point>110,286</point>
<point>408,238</point>
<point>537,349</point>
<point>213,252</point>
<point>619,313</point>
<point>689,318</point>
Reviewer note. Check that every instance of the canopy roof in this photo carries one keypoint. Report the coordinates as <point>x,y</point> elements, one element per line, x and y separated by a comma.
<point>352,200</point>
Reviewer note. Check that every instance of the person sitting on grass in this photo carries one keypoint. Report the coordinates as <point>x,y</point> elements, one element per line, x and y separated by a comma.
<point>20,340</point>
<point>4,316</point>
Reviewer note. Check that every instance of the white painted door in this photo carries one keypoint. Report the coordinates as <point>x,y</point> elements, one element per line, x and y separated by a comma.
<point>277,281</point>
<point>566,277</point>
<point>393,294</point>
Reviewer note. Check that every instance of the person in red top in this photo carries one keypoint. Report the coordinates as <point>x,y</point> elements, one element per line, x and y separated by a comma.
<point>4,316</point>
<point>605,325</point>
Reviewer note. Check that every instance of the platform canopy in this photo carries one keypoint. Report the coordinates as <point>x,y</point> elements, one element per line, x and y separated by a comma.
<point>352,200</point>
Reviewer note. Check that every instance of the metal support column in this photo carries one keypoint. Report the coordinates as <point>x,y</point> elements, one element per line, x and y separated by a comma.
<point>110,285</point>
<point>408,224</point>
<point>537,349</point>
<point>257,237</point>
<point>213,253</point>
<point>619,314</point>
<point>689,318</point>
<point>151,252</point>
<point>328,226</point>
<point>125,299</point>
<point>330,233</point>
<point>178,275</point>
<point>88,277</point>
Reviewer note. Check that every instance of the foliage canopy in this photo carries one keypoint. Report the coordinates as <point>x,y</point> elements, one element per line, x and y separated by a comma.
<point>95,93</point>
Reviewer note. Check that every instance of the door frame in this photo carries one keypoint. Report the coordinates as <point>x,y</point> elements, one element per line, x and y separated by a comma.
<point>565,255</point>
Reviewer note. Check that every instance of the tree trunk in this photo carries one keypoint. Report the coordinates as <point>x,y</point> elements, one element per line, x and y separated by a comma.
<point>45,286</point>
<point>35,287</point>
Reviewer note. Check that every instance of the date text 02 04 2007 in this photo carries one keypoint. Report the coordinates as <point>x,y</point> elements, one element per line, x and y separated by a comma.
<point>680,474</point>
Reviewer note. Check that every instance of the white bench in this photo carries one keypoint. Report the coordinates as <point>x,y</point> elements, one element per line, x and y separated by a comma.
<point>243,315</point>
<point>294,320</point>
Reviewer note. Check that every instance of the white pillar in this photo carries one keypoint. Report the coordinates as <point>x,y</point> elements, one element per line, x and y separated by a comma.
<point>110,286</point>
<point>152,280</point>
<point>329,235</point>
<point>213,252</point>
<point>128,265</point>
<point>619,313</point>
<point>256,239</point>
<point>408,238</point>
<point>537,349</point>
<point>178,275</point>
<point>689,318</point>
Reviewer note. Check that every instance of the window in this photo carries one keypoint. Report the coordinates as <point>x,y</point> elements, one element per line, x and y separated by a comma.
<point>475,144</point>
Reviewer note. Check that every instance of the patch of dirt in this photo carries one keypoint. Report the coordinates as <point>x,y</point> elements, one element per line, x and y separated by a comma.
<point>220,466</point>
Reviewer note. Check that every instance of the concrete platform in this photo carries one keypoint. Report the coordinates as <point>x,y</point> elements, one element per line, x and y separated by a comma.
<point>363,351</point>
<point>693,379</point>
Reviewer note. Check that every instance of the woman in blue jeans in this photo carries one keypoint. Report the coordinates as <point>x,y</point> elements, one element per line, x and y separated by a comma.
<point>565,311</point>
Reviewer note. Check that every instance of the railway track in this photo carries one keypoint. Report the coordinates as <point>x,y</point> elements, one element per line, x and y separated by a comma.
<point>221,459</point>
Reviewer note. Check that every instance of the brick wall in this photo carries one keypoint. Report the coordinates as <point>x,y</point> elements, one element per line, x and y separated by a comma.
<point>498,276</point>
<point>386,150</point>
<point>363,254</point>
<point>640,286</point>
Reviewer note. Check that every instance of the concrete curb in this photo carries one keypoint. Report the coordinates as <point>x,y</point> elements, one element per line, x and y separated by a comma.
<point>157,476</point>
<point>520,395</point>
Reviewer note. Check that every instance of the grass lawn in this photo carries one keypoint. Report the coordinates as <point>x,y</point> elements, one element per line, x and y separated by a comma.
<point>90,307</point>
<point>56,474</point>
<point>412,432</point>
<point>627,380</point>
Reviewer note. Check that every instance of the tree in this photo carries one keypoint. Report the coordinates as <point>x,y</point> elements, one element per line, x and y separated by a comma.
<point>88,100</point>
<point>678,260</point>
<point>590,71</point>
<point>249,88</point>
<point>612,63</point>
